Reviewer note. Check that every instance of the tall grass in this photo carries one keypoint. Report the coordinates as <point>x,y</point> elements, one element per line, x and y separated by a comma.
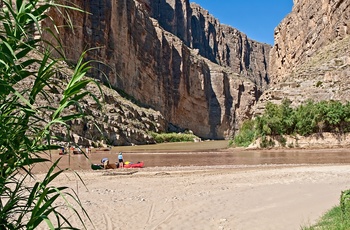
<point>337,218</point>
<point>332,220</point>
<point>26,124</point>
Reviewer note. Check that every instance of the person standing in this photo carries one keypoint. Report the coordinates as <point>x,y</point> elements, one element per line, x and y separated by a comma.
<point>121,160</point>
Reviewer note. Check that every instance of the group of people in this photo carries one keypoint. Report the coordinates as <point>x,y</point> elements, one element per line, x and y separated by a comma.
<point>120,163</point>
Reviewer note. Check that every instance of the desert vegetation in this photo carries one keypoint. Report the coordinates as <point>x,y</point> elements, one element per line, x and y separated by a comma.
<point>308,118</point>
<point>174,137</point>
<point>27,125</point>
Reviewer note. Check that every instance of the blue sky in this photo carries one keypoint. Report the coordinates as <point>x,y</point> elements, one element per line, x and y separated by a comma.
<point>256,18</point>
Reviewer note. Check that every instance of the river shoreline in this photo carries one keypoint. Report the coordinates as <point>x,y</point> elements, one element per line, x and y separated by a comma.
<point>280,188</point>
<point>209,197</point>
<point>163,157</point>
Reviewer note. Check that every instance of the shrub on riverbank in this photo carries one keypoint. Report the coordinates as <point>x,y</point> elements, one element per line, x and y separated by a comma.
<point>306,119</point>
<point>247,134</point>
<point>174,137</point>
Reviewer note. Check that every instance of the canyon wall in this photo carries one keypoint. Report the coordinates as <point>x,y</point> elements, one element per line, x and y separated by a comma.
<point>310,58</point>
<point>172,57</point>
<point>311,26</point>
<point>221,44</point>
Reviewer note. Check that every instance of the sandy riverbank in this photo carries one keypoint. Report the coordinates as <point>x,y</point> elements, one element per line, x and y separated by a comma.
<point>218,197</point>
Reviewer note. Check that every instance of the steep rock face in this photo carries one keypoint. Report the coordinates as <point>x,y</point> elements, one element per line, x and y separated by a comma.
<point>312,25</point>
<point>159,70</point>
<point>173,16</point>
<point>219,43</point>
<point>229,47</point>
<point>112,120</point>
<point>310,58</point>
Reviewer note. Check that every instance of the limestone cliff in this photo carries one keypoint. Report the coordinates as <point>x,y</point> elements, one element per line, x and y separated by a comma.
<point>310,58</point>
<point>312,25</point>
<point>172,57</point>
<point>221,44</point>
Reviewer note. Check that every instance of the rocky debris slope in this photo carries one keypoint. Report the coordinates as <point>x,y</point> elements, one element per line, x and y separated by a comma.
<point>325,76</point>
<point>113,120</point>
<point>310,58</point>
<point>178,60</point>
<point>310,26</point>
<point>117,122</point>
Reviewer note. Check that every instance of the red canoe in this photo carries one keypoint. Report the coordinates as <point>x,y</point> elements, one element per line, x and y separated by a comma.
<point>134,165</point>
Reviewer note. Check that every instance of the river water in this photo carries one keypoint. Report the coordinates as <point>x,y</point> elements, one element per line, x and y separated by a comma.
<point>209,153</point>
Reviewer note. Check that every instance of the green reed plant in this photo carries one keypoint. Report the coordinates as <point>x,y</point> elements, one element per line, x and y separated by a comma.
<point>26,124</point>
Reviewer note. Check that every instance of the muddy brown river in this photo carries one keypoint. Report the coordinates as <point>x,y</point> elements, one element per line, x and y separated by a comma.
<point>209,153</point>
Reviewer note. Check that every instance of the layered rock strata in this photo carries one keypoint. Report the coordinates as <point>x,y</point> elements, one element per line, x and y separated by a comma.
<point>198,74</point>
<point>221,44</point>
<point>119,122</point>
<point>310,26</point>
<point>310,58</point>
<point>111,120</point>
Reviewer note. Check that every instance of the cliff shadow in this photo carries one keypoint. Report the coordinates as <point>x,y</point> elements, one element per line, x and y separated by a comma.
<point>200,40</point>
<point>213,105</point>
<point>230,116</point>
<point>170,76</point>
<point>172,19</point>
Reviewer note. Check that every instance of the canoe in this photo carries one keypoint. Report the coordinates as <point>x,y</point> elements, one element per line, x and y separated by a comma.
<point>96,166</point>
<point>134,165</point>
<point>100,166</point>
<point>116,165</point>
